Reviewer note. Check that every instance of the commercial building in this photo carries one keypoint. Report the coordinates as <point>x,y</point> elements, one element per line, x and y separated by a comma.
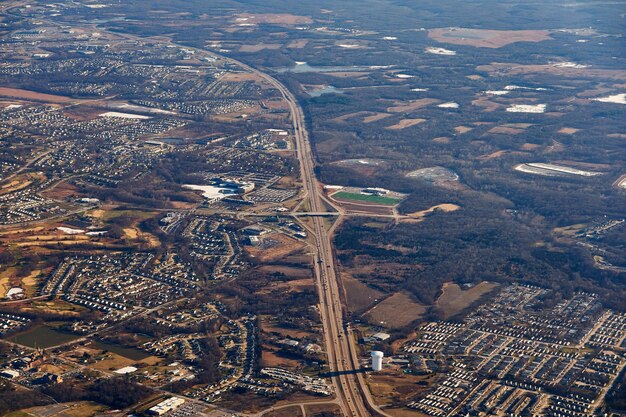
<point>166,406</point>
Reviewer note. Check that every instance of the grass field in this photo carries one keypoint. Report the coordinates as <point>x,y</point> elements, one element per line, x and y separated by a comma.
<point>375,199</point>
<point>453,299</point>
<point>396,311</point>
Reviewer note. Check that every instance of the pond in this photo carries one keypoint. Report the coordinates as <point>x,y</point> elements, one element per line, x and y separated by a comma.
<point>327,89</point>
<point>43,337</point>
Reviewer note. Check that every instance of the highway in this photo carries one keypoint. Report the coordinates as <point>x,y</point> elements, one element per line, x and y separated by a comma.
<point>350,386</point>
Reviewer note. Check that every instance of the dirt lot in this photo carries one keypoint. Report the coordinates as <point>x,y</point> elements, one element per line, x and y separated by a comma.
<point>396,311</point>
<point>484,38</point>
<point>404,123</point>
<point>453,300</point>
<point>283,245</point>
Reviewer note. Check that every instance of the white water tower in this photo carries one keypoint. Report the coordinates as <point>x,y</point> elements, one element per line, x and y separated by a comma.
<point>377,360</point>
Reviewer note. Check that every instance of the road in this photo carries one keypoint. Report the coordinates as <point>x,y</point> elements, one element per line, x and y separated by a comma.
<point>350,385</point>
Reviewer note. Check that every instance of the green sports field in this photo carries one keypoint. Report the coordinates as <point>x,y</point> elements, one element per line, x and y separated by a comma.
<point>374,199</point>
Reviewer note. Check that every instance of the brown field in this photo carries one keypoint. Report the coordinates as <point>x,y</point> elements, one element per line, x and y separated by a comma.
<point>390,386</point>
<point>61,191</point>
<point>358,295</point>
<point>568,130</point>
<point>271,359</point>
<point>32,95</point>
<point>498,154</point>
<point>512,69</point>
<point>290,271</point>
<point>56,306</point>
<point>295,285</point>
<point>275,18</point>
<point>529,146</point>
<point>503,130</point>
<point>570,230</point>
<point>240,77</point>
<point>412,105</point>
<point>14,185</point>
<point>296,334</point>
<point>486,104</point>
<point>396,311</point>
<point>447,207</point>
<point>276,104</point>
<point>293,411</point>
<point>130,233</point>
<point>453,299</point>
<point>403,412</point>
<point>112,361</point>
<point>77,409</point>
<point>483,38</point>
<point>462,129</point>
<point>365,208</point>
<point>312,410</point>
<point>404,123</point>
<point>259,47</point>
<point>492,155</point>
<point>616,135</point>
<point>375,117</point>
<point>21,181</point>
<point>441,139</point>
<point>285,245</point>
<point>348,116</point>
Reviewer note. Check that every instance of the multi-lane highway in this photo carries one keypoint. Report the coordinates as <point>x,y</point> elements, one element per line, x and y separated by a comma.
<point>348,381</point>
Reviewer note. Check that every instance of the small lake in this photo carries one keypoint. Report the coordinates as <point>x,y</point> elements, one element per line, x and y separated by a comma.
<point>327,89</point>
<point>127,352</point>
<point>42,337</point>
<point>304,67</point>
